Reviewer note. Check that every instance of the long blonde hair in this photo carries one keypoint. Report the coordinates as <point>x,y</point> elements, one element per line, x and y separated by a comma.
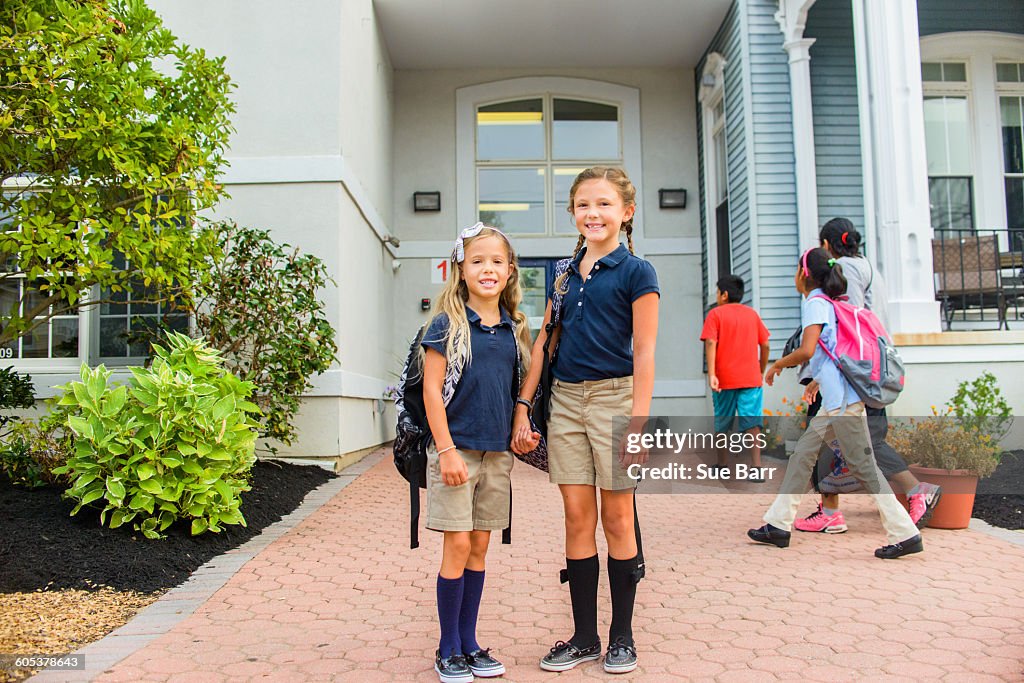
<point>455,294</point>
<point>617,177</point>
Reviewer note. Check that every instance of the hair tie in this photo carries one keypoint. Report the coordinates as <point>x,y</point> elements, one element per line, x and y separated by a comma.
<point>844,237</point>
<point>831,262</point>
<point>459,253</point>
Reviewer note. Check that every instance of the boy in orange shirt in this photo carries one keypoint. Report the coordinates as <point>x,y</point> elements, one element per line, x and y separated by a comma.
<point>736,344</point>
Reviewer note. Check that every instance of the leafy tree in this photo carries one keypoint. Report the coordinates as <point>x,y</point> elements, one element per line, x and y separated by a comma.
<point>112,135</point>
<point>260,310</point>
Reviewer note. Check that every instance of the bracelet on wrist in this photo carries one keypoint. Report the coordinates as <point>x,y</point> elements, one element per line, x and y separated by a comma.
<point>524,402</point>
<point>445,450</point>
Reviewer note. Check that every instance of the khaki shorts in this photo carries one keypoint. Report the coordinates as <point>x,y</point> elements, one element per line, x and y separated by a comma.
<point>483,503</point>
<point>580,448</point>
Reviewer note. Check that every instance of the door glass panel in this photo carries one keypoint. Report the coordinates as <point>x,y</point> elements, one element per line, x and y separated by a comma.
<point>533,281</point>
<point>512,199</point>
<point>584,130</point>
<point>510,130</point>
<point>946,135</point>
<point>1010,113</point>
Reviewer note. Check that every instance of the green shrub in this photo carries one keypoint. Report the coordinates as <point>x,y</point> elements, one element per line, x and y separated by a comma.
<point>16,391</point>
<point>260,309</point>
<point>31,452</point>
<point>176,442</point>
<point>981,407</point>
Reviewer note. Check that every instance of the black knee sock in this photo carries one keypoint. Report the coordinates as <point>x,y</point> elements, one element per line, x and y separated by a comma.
<point>623,587</point>
<point>583,575</point>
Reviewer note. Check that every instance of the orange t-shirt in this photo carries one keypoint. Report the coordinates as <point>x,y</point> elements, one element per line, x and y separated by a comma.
<point>739,332</point>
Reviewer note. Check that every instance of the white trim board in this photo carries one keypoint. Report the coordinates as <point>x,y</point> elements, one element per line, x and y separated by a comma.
<point>973,353</point>
<point>309,169</point>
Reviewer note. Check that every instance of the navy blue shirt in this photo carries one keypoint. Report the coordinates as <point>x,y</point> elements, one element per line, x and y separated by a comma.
<point>480,412</point>
<point>597,316</point>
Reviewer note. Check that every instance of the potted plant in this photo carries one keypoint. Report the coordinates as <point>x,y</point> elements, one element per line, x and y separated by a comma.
<point>956,447</point>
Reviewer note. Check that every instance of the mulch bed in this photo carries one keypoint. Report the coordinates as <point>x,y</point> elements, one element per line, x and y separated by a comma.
<point>42,547</point>
<point>1000,499</point>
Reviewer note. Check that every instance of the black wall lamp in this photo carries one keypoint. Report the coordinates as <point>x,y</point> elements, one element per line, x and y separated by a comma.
<point>672,199</point>
<point>426,201</point>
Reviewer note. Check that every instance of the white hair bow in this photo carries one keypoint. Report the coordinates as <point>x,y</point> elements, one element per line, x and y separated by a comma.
<point>460,252</point>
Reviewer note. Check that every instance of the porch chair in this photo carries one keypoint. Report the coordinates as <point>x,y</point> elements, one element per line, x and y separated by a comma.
<point>967,275</point>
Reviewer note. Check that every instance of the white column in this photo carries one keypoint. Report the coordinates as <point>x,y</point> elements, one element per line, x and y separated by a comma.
<point>803,139</point>
<point>899,177</point>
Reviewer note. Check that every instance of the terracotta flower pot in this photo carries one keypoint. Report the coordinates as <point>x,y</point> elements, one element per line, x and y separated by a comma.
<point>957,502</point>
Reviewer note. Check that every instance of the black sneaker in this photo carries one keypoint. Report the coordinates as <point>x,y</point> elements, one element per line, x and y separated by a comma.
<point>564,656</point>
<point>452,669</point>
<point>621,657</point>
<point>770,534</point>
<point>482,664</point>
<point>907,547</point>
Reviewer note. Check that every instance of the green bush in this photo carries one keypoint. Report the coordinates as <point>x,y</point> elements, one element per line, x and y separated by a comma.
<point>261,310</point>
<point>981,407</point>
<point>31,452</point>
<point>16,391</point>
<point>176,442</point>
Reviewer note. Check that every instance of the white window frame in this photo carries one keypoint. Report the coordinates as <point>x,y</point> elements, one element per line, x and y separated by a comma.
<point>710,95</point>
<point>959,89</point>
<point>469,98</point>
<point>980,51</point>
<point>44,365</point>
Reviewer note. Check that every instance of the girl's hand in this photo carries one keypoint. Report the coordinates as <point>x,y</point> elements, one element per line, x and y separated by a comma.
<point>811,391</point>
<point>713,382</point>
<point>637,454</point>
<point>524,439</point>
<point>453,468</point>
<point>773,371</point>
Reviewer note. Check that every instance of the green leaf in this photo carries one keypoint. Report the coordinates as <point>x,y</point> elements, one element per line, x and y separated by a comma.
<point>92,495</point>
<point>145,470</point>
<point>115,489</point>
<point>151,486</point>
<point>223,408</point>
<point>199,526</point>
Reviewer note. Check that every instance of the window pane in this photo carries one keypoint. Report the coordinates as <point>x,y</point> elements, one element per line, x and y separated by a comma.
<point>951,203</point>
<point>1008,73</point>
<point>510,130</point>
<point>512,198</point>
<point>953,72</point>
<point>141,292</point>
<point>10,292</point>
<point>144,330</point>
<point>584,130</point>
<point>721,166</point>
<point>36,344</point>
<point>931,71</point>
<point>1010,112</point>
<point>114,337</point>
<point>947,138</point>
<point>65,337</point>
<point>1015,203</point>
<point>565,224</point>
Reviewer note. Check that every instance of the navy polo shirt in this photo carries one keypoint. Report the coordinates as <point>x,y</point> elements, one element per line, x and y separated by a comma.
<point>597,316</point>
<point>480,412</point>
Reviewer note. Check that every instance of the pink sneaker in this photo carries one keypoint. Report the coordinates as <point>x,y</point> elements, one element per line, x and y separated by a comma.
<point>922,504</point>
<point>819,521</point>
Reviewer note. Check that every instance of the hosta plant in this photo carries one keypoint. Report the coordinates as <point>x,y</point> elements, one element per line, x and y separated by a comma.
<point>176,443</point>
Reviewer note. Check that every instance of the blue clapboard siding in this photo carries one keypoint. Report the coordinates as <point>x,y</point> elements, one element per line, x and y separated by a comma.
<point>837,148</point>
<point>774,171</point>
<point>727,42</point>
<point>944,16</point>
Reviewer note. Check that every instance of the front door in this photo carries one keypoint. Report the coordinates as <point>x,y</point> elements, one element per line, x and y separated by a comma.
<point>535,278</point>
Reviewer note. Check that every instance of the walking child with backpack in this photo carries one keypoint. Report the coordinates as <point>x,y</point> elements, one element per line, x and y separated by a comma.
<point>603,369</point>
<point>845,385</point>
<point>471,353</point>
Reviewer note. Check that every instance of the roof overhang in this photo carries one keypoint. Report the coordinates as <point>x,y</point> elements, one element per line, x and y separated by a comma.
<point>461,34</point>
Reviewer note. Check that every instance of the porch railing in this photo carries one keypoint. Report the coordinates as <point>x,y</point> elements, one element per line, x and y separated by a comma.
<point>979,277</point>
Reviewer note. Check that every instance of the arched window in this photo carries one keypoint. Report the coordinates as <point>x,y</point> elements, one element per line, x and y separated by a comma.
<point>521,143</point>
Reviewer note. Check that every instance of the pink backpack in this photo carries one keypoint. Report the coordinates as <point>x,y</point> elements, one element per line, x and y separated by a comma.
<point>865,355</point>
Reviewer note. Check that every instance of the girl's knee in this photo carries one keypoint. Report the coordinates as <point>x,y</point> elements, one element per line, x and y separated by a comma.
<point>457,544</point>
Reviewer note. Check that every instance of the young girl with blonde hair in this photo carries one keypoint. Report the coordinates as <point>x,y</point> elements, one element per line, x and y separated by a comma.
<point>479,335</point>
<point>604,368</point>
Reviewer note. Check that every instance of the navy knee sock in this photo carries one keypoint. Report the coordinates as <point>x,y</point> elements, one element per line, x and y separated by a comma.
<point>449,602</point>
<point>623,588</point>
<point>583,575</point>
<point>474,588</point>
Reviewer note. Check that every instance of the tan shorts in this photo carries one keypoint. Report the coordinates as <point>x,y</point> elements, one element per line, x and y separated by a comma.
<point>580,448</point>
<point>483,503</point>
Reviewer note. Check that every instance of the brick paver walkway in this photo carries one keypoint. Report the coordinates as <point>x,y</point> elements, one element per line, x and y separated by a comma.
<point>341,597</point>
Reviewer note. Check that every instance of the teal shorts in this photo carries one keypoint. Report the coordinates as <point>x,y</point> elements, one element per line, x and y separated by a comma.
<point>748,403</point>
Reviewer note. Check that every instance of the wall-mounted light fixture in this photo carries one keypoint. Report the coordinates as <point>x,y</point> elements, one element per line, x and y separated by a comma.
<point>672,199</point>
<point>426,201</point>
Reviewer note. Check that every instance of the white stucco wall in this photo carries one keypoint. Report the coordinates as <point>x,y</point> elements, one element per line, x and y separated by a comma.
<point>311,161</point>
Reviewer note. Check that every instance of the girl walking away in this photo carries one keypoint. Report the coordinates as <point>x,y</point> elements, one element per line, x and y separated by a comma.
<point>865,289</point>
<point>604,368</point>
<point>819,277</point>
<point>477,326</point>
